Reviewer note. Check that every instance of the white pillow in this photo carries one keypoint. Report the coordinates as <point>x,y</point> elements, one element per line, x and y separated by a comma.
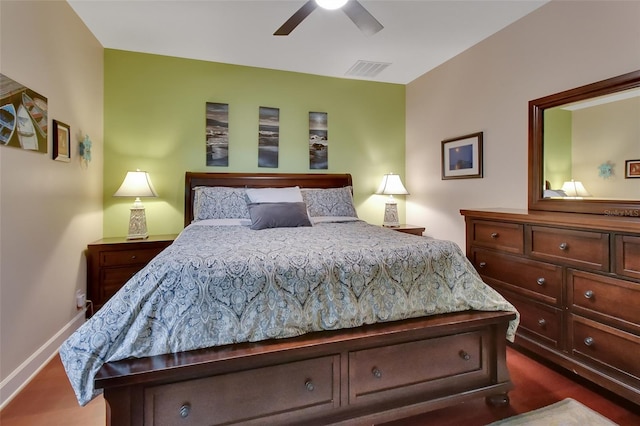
<point>275,195</point>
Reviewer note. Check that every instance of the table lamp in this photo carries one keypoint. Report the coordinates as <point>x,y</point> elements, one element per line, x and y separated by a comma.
<point>137,184</point>
<point>575,189</point>
<point>391,185</point>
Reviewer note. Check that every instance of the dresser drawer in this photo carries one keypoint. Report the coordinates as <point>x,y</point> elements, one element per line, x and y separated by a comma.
<point>502,236</point>
<point>538,321</point>
<point>606,347</point>
<point>605,299</point>
<point>576,248</point>
<point>628,256</point>
<point>535,279</point>
<point>128,257</point>
<point>381,373</point>
<point>304,386</point>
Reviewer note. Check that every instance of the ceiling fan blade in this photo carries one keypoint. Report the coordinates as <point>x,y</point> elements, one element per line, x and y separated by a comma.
<point>296,18</point>
<point>362,18</point>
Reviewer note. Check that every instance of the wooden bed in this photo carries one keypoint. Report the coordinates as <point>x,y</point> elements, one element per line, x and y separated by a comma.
<point>364,375</point>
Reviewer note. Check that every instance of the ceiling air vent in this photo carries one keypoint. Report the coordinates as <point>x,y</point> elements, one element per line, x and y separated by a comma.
<point>367,68</point>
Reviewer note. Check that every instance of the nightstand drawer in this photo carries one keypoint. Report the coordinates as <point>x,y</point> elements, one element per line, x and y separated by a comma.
<point>114,278</point>
<point>503,236</point>
<point>128,257</point>
<point>577,248</point>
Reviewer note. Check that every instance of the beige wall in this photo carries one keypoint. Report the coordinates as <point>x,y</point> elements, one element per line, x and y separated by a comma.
<point>49,210</point>
<point>487,88</point>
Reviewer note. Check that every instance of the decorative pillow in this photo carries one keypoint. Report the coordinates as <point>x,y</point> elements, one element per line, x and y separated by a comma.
<point>274,195</point>
<point>219,202</point>
<point>329,202</point>
<point>278,215</point>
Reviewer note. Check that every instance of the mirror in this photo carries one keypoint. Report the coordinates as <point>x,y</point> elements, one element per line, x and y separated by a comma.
<point>582,143</point>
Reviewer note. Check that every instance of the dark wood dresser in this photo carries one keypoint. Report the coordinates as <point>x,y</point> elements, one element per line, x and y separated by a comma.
<point>575,279</point>
<point>112,261</point>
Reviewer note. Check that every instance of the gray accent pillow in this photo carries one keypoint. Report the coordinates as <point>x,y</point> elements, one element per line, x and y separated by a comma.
<point>329,202</point>
<point>278,215</point>
<point>219,202</point>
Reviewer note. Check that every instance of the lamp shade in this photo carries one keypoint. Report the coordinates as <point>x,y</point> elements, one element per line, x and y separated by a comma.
<point>136,184</point>
<point>575,188</point>
<point>391,185</point>
<point>331,4</point>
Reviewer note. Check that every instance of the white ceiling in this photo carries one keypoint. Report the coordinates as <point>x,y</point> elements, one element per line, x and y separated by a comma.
<point>418,35</point>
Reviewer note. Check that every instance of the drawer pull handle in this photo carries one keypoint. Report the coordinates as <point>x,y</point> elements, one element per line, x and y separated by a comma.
<point>541,281</point>
<point>309,385</point>
<point>377,373</point>
<point>464,355</point>
<point>185,410</point>
<point>494,235</point>
<point>563,246</point>
<point>589,294</point>
<point>542,322</point>
<point>589,341</point>
<point>133,257</point>
<point>483,264</point>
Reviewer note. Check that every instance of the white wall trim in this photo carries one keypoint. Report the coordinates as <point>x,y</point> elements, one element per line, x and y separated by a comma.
<point>22,375</point>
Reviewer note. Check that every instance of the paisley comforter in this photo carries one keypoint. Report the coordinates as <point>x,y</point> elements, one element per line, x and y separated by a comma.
<point>217,285</point>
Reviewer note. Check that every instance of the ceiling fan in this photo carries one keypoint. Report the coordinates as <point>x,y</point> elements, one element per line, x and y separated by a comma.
<point>352,8</point>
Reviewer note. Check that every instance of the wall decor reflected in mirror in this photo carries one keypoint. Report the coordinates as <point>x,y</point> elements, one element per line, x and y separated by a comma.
<point>573,135</point>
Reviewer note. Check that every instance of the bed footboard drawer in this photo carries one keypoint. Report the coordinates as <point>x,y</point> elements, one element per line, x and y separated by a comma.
<point>381,373</point>
<point>305,386</point>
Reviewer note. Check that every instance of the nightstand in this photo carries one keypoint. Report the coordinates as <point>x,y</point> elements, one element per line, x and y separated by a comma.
<point>112,261</point>
<point>409,229</point>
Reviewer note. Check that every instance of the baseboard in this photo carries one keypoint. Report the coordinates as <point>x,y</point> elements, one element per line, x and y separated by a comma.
<point>22,375</point>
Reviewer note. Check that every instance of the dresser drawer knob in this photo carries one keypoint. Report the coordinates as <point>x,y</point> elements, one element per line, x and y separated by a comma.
<point>133,257</point>
<point>377,373</point>
<point>541,281</point>
<point>309,385</point>
<point>542,322</point>
<point>589,294</point>
<point>589,341</point>
<point>483,264</point>
<point>185,410</point>
<point>494,235</point>
<point>563,246</point>
<point>464,355</point>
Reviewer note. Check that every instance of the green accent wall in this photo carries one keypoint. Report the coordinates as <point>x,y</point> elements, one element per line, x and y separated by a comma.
<point>557,146</point>
<point>154,120</point>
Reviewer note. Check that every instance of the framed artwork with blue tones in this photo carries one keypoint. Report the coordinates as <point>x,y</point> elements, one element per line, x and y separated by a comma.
<point>462,157</point>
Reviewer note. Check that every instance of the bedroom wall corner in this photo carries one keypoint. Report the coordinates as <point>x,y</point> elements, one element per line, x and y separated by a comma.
<point>49,210</point>
<point>487,88</point>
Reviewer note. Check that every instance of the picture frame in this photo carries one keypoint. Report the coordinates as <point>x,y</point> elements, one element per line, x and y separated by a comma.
<point>632,169</point>
<point>462,157</point>
<point>61,141</point>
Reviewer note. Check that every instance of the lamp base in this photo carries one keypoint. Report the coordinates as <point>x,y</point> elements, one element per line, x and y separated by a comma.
<point>391,215</point>
<point>137,224</point>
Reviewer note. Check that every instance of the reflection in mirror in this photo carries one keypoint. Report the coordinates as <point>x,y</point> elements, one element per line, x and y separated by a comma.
<point>581,142</point>
<point>586,145</point>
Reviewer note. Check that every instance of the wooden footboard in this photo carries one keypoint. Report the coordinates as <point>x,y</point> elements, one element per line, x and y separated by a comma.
<point>369,374</point>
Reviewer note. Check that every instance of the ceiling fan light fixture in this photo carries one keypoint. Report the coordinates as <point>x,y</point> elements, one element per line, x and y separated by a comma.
<point>331,4</point>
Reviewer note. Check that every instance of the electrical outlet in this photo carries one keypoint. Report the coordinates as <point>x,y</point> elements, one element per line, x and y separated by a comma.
<point>81,299</point>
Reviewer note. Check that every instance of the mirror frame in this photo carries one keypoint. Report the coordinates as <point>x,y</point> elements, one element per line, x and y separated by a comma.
<point>536,148</point>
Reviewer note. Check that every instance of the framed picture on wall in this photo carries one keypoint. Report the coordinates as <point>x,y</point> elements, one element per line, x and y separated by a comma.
<point>632,169</point>
<point>61,141</point>
<point>462,157</point>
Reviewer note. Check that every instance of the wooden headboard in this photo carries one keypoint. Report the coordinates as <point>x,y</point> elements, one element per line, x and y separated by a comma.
<point>257,180</point>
